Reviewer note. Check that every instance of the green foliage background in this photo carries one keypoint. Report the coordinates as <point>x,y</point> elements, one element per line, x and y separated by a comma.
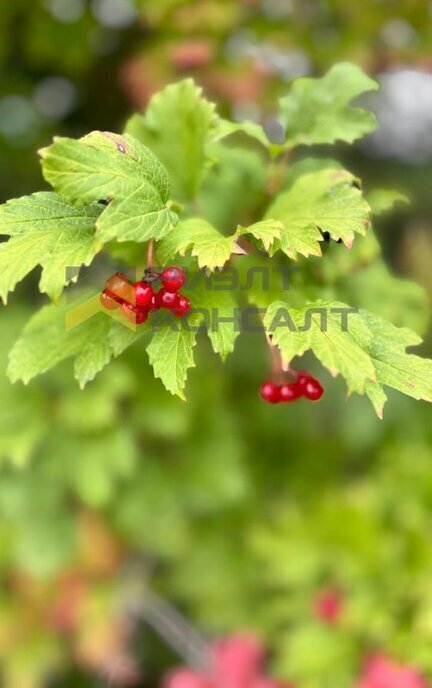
<point>238,513</point>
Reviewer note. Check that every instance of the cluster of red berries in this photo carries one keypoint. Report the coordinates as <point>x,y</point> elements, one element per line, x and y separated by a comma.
<point>138,300</point>
<point>235,662</point>
<point>304,386</point>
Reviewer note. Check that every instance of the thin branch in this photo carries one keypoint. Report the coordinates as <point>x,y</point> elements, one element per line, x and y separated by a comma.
<point>141,603</point>
<point>175,630</point>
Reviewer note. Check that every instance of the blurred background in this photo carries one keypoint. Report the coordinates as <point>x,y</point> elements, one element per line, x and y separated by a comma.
<point>242,516</point>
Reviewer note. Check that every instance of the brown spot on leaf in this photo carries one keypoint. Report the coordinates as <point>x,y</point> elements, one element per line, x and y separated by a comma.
<point>119,142</point>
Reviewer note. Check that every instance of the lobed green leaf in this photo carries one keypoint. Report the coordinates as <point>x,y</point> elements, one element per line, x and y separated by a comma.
<point>327,200</point>
<point>45,230</point>
<point>171,355</point>
<point>211,248</point>
<point>370,354</point>
<point>340,351</point>
<point>120,171</point>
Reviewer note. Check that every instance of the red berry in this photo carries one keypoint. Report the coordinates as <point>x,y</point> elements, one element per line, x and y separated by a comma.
<point>270,392</point>
<point>135,315</point>
<point>183,307</point>
<point>302,378</point>
<point>118,285</point>
<point>312,390</point>
<point>309,386</point>
<point>154,305</point>
<point>108,302</point>
<point>143,294</point>
<point>173,278</point>
<point>141,316</point>
<point>167,299</point>
<point>290,392</point>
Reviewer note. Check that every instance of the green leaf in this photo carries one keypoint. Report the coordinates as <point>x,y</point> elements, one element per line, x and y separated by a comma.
<point>171,354</point>
<point>45,230</point>
<point>225,128</point>
<point>220,320</point>
<point>344,352</point>
<point>409,374</point>
<point>176,128</point>
<point>265,231</point>
<point>45,341</point>
<point>317,111</point>
<point>118,169</point>
<point>326,200</point>
<point>207,244</point>
<point>370,354</point>
<point>22,423</point>
<point>121,337</point>
<point>384,200</point>
<point>377,396</point>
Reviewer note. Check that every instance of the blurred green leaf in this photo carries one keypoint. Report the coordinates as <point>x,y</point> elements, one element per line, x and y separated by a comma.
<point>45,341</point>
<point>317,110</point>
<point>176,127</point>
<point>384,200</point>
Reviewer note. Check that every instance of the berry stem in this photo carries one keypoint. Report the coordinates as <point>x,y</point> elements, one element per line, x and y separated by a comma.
<point>276,360</point>
<point>150,253</point>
